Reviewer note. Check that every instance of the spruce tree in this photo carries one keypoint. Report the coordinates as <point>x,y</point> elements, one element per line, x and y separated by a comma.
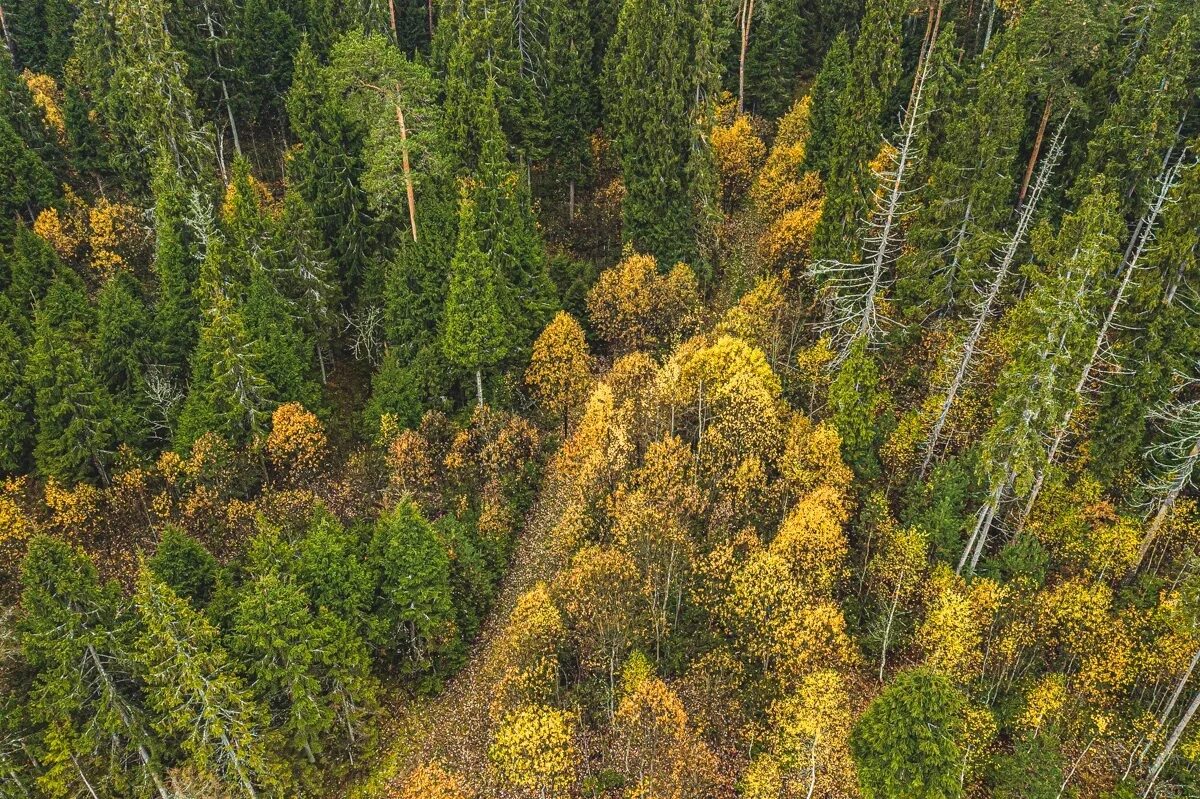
<point>413,618</point>
<point>183,564</point>
<point>572,104</point>
<point>73,636</point>
<point>327,170</point>
<point>272,640</point>
<point>76,434</point>
<point>862,102</point>
<point>476,330</point>
<point>176,315</point>
<point>124,347</point>
<point>906,743</point>
<point>32,265</point>
<point>16,401</point>
<point>651,122</point>
<point>229,393</point>
<point>194,696</point>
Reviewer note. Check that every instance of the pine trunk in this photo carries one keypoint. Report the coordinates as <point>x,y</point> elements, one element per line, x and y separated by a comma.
<point>1037,146</point>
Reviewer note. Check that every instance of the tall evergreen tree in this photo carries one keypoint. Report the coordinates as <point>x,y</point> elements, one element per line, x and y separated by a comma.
<point>73,635</point>
<point>194,696</point>
<point>572,104</point>
<point>873,73</point>
<point>476,330</point>
<point>76,433</point>
<point>906,743</point>
<point>176,315</point>
<point>652,122</point>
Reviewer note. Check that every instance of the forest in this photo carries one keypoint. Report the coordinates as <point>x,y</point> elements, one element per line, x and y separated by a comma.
<point>599,399</point>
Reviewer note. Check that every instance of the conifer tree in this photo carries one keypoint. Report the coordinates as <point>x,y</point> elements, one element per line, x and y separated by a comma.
<point>855,402</point>
<point>652,125</point>
<point>476,332</point>
<point>76,434</point>
<point>572,104</point>
<point>1054,329</point>
<point>124,348</point>
<point>193,694</point>
<point>16,401</point>
<point>327,170</point>
<point>176,317</point>
<point>272,640</point>
<point>906,744</point>
<point>183,564</point>
<point>32,265</point>
<point>413,617</point>
<point>72,633</point>
<point>149,95</point>
<point>871,77</point>
<point>229,393</point>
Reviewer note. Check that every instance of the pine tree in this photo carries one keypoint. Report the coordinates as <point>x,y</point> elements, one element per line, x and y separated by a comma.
<point>229,394</point>
<point>272,640</point>
<point>124,348</point>
<point>906,743</point>
<point>73,635</point>
<point>27,180</point>
<point>1054,331</point>
<point>572,104</point>
<point>327,170</point>
<point>16,400</point>
<point>778,50</point>
<point>476,331</point>
<point>330,568</point>
<point>855,400</point>
<point>307,275</point>
<point>194,695</point>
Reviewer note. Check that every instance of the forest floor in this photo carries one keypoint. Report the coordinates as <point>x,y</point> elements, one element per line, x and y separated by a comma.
<point>452,727</point>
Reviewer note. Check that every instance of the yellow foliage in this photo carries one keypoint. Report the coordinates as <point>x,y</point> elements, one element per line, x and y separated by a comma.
<point>1044,702</point>
<point>757,316</point>
<point>956,619</point>
<point>524,661</point>
<point>813,544</point>
<point>665,755</point>
<point>595,594</point>
<point>534,750</point>
<point>812,737</point>
<point>780,186</point>
<point>560,368</point>
<point>727,387</point>
<point>633,307</point>
<point>780,624</point>
<point>763,779</point>
<point>49,225</point>
<point>786,240</point>
<point>738,153</point>
<point>16,527</point>
<point>296,445</point>
<point>433,781</point>
<point>596,453</point>
<point>812,460</point>
<point>48,98</point>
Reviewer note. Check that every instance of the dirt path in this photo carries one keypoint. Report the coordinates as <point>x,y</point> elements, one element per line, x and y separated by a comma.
<point>452,727</point>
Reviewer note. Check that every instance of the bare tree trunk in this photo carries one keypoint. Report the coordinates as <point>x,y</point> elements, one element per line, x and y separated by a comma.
<point>1129,264</point>
<point>408,181</point>
<point>1168,502</point>
<point>392,17</point>
<point>887,632</point>
<point>1169,748</point>
<point>212,37</point>
<point>1024,220</point>
<point>1037,146</point>
<point>479,386</point>
<point>8,43</point>
<point>747,12</point>
<point>571,201</point>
